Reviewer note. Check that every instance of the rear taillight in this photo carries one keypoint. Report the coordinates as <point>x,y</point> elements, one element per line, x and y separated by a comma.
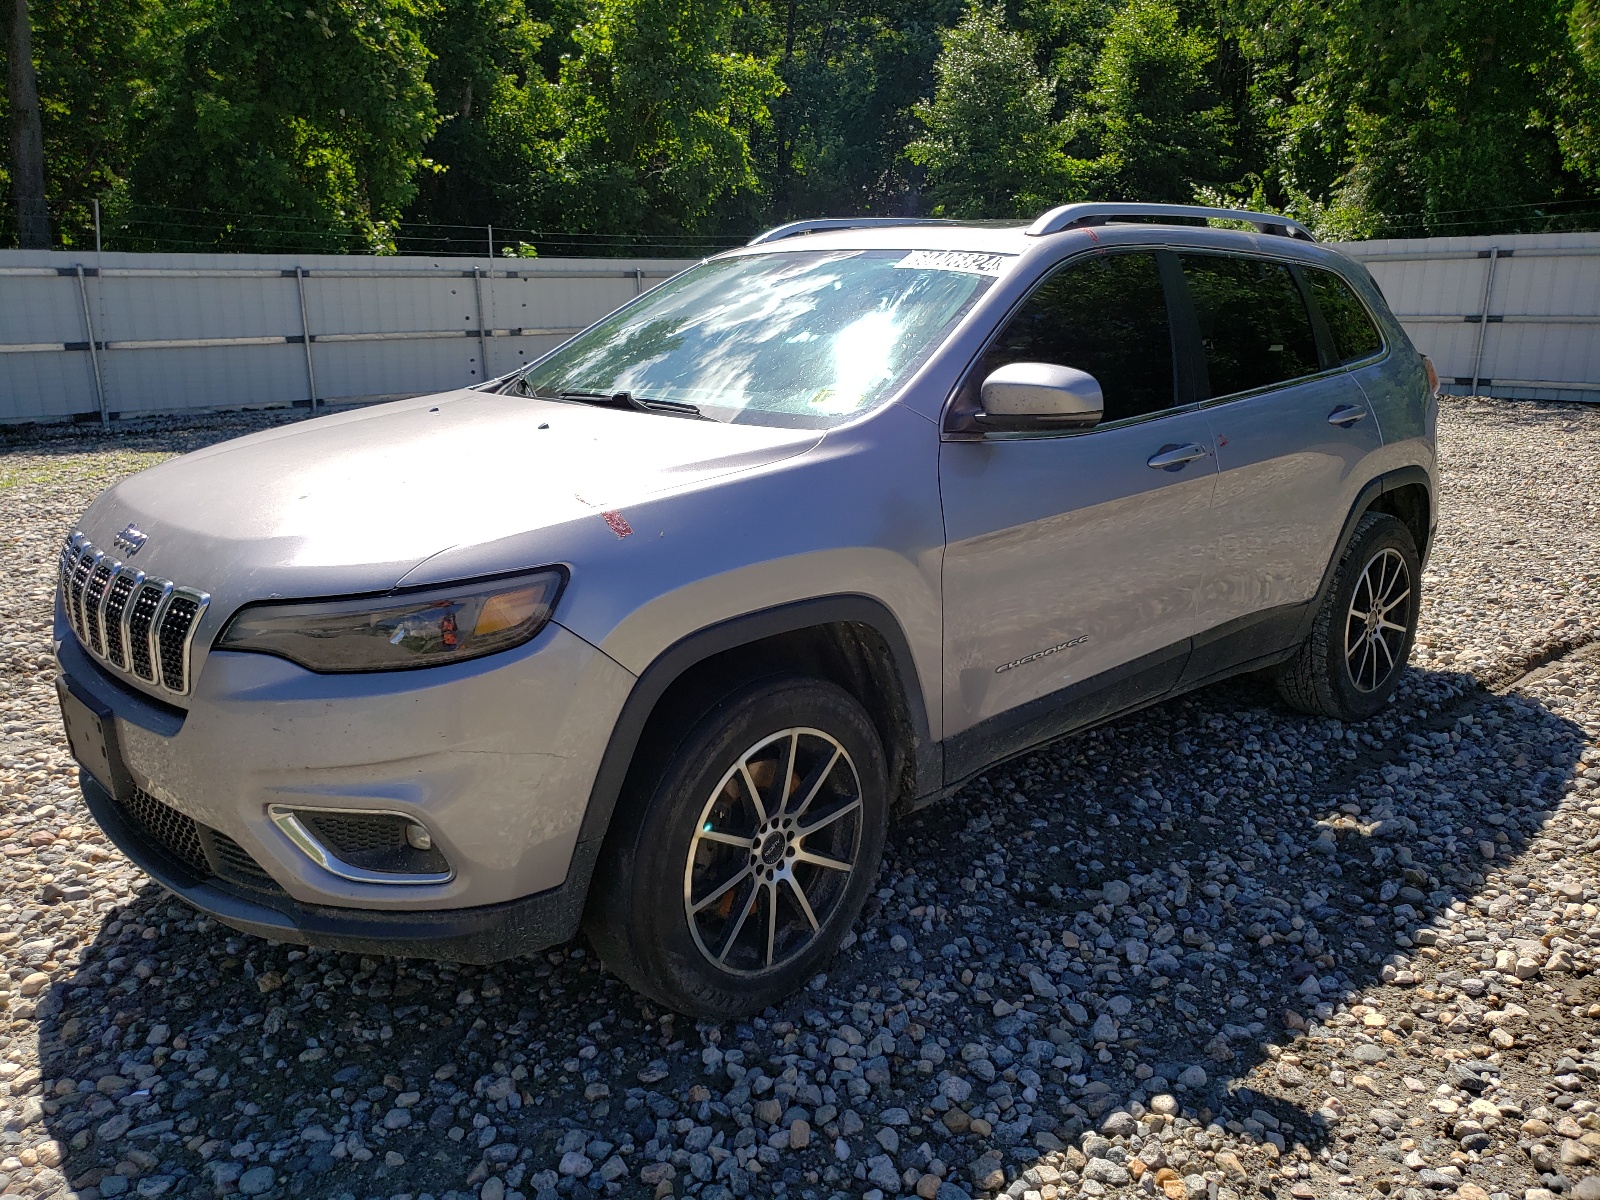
<point>1433,376</point>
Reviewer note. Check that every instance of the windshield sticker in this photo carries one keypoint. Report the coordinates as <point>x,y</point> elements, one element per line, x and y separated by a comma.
<point>967,262</point>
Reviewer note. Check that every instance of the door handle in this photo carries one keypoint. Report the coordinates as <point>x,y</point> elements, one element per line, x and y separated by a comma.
<point>1172,458</point>
<point>1347,415</point>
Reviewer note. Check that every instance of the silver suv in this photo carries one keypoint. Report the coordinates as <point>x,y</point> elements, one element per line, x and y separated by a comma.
<point>652,636</point>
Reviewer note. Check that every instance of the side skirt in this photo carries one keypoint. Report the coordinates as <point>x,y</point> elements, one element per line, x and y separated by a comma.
<point>1256,643</point>
<point>1076,707</point>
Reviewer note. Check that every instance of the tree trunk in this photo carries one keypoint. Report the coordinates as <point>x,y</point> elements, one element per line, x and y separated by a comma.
<point>27,138</point>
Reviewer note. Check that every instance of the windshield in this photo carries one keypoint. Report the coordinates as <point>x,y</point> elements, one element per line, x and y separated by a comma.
<point>796,338</point>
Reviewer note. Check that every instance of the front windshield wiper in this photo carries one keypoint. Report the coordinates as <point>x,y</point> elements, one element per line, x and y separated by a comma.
<point>676,408</point>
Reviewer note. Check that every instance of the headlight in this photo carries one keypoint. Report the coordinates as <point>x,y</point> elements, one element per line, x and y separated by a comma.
<point>394,632</point>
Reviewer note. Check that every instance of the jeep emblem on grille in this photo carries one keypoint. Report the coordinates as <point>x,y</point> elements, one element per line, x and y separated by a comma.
<point>130,539</point>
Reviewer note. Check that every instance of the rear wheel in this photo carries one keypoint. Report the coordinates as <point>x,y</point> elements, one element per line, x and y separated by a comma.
<point>733,871</point>
<point>1351,664</point>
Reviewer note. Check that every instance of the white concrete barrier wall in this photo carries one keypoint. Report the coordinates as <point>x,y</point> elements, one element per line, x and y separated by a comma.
<point>1514,315</point>
<point>132,334</point>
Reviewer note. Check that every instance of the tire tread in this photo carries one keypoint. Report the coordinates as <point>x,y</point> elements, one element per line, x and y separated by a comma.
<point>1304,682</point>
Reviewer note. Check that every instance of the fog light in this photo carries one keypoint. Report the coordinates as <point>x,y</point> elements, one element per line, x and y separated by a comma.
<point>418,838</point>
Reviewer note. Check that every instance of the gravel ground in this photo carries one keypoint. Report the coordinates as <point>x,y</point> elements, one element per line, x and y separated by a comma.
<point>1214,950</point>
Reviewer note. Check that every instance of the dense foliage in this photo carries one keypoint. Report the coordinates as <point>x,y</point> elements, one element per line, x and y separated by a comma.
<point>673,125</point>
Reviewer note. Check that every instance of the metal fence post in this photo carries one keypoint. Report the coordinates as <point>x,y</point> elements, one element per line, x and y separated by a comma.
<point>483,336</point>
<point>1483,318</point>
<point>94,351</point>
<point>305,334</point>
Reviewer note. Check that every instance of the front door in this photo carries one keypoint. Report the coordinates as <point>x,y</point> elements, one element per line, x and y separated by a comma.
<point>1073,562</point>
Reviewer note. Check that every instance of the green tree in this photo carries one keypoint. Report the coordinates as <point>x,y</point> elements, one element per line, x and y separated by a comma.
<point>26,127</point>
<point>853,71</point>
<point>1153,108</point>
<point>1578,122</point>
<point>1441,117</point>
<point>317,115</point>
<point>1067,36</point>
<point>657,115</point>
<point>495,149</point>
<point>990,143</point>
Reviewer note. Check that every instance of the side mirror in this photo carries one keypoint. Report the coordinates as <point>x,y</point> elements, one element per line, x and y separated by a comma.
<point>1040,396</point>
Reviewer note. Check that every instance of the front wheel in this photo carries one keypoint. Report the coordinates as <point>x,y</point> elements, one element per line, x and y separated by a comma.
<point>734,872</point>
<point>1352,662</point>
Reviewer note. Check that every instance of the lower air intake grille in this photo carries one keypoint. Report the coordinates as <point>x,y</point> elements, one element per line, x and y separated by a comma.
<point>203,850</point>
<point>234,863</point>
<point>169,829</point>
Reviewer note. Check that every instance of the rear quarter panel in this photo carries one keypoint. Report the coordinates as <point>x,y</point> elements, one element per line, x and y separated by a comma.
<point>1396,387</point>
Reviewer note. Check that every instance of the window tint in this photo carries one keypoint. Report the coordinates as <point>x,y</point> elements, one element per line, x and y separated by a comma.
<point>1107,316</point>
<point>1354,335</point>
<point>1253,322</point>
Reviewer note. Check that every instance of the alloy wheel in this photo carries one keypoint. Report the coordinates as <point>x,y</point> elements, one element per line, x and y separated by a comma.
<point>1373,643</point>
<point>773,851</point>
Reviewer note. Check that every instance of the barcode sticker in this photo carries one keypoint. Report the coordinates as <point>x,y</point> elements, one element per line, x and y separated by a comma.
<point>965,261</point>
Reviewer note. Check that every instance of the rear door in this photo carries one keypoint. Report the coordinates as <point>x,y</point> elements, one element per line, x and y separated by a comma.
<point>1291,431</point>
<point>1073,563</point>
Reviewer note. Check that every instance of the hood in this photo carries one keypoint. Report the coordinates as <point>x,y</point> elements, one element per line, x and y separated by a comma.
<point>354,502</point>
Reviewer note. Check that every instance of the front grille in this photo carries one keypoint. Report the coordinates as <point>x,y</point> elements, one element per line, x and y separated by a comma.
<point>169,829</point>
<point>201,849</point>
<point>142,626</point>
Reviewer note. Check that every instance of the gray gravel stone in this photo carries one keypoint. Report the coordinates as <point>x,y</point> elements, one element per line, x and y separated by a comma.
<point>1380,941</point>
<point>257,1180</point>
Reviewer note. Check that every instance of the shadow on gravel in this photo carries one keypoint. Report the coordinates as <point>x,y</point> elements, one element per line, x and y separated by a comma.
<point>1153,907</point>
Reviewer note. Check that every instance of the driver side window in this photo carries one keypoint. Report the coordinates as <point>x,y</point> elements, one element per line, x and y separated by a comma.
<point>1106,316</point>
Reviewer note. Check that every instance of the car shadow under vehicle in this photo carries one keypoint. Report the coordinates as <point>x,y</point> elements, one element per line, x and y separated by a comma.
<point>1269,866</point>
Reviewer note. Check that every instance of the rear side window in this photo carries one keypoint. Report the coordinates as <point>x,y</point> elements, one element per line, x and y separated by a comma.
<point>1253,322</point>
<point>1354,335</point>
<point>1106,316</point>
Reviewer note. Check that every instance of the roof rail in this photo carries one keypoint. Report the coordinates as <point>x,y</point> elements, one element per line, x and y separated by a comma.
<point>822,225</point>
<point>1073,216</point>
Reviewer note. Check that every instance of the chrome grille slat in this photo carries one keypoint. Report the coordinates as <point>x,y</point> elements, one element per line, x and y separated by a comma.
<point>81,570</point>
<point>142,614</point>
<point>113,617</point>
<point>172,639</point>
<point>143,626</point>
<point>94,597</point>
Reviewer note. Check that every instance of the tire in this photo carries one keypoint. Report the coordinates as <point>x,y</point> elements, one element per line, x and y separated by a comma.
<point>717,906</point>
<point>1348,667</point>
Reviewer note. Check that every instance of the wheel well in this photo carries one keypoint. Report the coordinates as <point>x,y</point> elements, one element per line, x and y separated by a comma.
<point>1409,502</point>
<point>849,654</point>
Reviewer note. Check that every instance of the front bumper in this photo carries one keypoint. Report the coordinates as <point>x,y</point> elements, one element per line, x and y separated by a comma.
<point>496,757</point>
<point>484,934</point>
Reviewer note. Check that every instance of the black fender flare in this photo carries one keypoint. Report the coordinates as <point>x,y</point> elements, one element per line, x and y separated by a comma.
<point>1389,481</point>
<point>695,648</point>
